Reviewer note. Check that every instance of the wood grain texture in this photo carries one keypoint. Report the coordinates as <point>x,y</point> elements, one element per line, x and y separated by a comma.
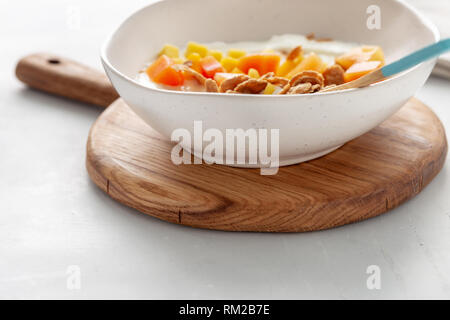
<point>67,78</point>
<point>365,178</point>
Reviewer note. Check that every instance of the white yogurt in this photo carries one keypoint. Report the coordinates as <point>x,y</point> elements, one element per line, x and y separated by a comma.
<point>327,50</point>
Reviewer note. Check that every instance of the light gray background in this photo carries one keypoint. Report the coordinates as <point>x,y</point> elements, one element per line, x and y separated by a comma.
<point>52,216</point>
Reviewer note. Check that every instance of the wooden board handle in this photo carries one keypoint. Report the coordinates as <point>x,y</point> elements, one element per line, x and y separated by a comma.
<point>66,78</point>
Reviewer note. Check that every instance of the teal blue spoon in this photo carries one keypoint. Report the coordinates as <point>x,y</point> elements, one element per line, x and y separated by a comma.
<point>398,66</point>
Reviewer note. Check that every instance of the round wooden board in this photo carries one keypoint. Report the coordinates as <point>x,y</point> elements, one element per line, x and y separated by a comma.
<point>366,177</point>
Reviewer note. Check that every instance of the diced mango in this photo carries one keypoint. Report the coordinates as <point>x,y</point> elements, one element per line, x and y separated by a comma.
<point>263,62</point>
<point>229,63</point>
<point>310,62</point>
<point>194,47</point>
<point>378,55</point>
<point>286,67</point>
<point>253,73</point>
<point>178,60</point>
<point>270,89</point>
<point>170,51</point>
<point>195,58</point>
<point>216,54</point>
<point>236,53</point>
<point>360,69</point>
<point>299,58</point>
<point>360,54</point>
<point>236,70</point>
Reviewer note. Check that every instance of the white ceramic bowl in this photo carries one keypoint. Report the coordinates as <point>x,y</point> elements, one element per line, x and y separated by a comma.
<point>310,125</point>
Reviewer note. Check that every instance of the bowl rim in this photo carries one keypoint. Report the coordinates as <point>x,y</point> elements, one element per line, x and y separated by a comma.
<point>104,58</point>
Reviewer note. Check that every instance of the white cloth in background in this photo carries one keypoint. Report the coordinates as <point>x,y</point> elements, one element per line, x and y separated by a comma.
<point>437,11</point>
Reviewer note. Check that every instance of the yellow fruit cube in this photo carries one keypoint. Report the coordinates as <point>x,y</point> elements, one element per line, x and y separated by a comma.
<point>195,58</point>
<point>289,65</point>
<point>270,89</point>
<point>170,51</point>
<point>236,53</point>
<point>285,68</point>
<point>237,70</point>
<point>299,59</point>
<point>229,63</point>
<point>194,47</point>
<point>178,60</point>
<point>310,62</point>
<point>218,55</point>
<point>253,73</point>
<point>377,55</point>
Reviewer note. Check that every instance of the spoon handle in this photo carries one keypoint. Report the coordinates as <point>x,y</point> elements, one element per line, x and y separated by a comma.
<point>396,67</point>
<point>417,57</point>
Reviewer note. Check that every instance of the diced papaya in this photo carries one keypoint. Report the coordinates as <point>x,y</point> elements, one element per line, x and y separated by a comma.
<point>210,66</point>
<point>158,66</point>
<point>360,54</point>
<point>163,72</point>
<point>253,73</point>
<point>229,63</point>
<point>310,62</point>
<point>236,53</point>
<point>194,47</point>
<point>219,77</point>
<point>360,69</point>
<point>171,77</point>
<point>262,62</point>
<point>170,51</point>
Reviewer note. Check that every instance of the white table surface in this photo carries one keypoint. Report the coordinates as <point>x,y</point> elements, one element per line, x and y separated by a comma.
<point>53,217</point>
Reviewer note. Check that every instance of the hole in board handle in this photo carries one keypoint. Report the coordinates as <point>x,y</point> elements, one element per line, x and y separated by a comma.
<point>54,61</point>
